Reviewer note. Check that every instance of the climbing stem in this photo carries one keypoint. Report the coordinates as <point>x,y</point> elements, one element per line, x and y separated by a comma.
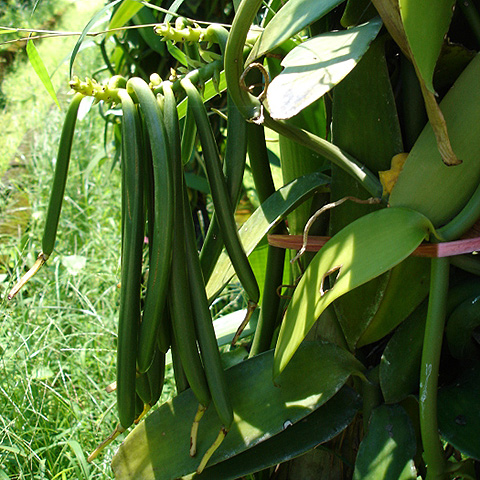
<point>253,111</point>
<point>330,151</point>
<point>432,345</point>
<point>248,105</point>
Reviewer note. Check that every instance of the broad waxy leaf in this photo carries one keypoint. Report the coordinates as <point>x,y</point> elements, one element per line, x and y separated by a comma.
<point>425,24</point>
<point>262,220</point>
<point>159,446</point>
<point>400,373</point>
<point>408,284</point>
<point>390,12</point>
<point>425,183</point>
<point>320,426</point>
<point>316,66</point>
<point>356,12</point>
<point>296,159</point>
<point>293,17</point>
<point>364,98</point>
<point>388,448</point>
<point>458,413</point>
<point>460,328</point>
<point>361,251</point>
<point>146,17</point>
<point>41,70</point>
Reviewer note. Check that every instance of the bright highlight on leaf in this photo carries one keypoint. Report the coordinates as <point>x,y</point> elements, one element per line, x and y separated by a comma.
<point>316,66</point>
<point>127,10</point>
<point>363,250</point>
<point>426,24</point>
<point>41,70</point>
<point>153,449</point>
<point>293,17</point>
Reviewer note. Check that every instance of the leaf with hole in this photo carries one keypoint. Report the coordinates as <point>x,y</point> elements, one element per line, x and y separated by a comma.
<point>362,250</point>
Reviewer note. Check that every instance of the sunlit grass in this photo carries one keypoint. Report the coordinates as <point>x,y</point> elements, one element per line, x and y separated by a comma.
<point>58,336</point>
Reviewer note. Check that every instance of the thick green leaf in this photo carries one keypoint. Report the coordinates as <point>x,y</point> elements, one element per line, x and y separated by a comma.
<point>297,160</point>
<point>41,70</point>
<point>426,184</point>
<point>320,426</point>
<point>125,12</point>
<point>364,115</point>
<point>361,251</point>
<point>364,98</point>
<point>426,24</point>
<point>461,325</point>
<point>176,53</point>
<point>459,413</point>
<point>387,450</point>
<point>158,447</point>
<point>400,373</point>
<point>226,327</point>
<point>262,220</point>
<point>356,12</point>
<point>196,182</point>
<point>408,284</point>
<point>316,66</point>
<point>145,16</point>
<point>293,17</point>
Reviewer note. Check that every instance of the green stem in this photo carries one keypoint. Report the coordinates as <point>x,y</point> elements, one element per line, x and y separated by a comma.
<point>432,345</point>
<point>330,151</point>
<point>262,175</point>
<point>249,105</point>
<point>252,109</point>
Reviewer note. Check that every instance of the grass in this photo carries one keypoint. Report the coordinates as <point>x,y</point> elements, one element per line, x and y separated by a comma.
<point>58,336</point>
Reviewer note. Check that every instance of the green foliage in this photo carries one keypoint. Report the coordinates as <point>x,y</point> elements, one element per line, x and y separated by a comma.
<point>351,337</point>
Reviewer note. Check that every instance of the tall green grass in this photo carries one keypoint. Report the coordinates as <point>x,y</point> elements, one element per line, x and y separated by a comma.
<point>58,336</point>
